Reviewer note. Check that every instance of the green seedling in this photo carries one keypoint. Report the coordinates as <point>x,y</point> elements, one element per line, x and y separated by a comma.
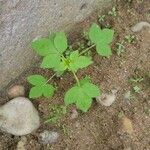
<point>53,49</point>
<point>130,39</point>
<point>129,96</point>
<point>113,12</point>
<point>137,89</point>
<point>136,79</point>
<point>57,112</point>
<point>120,48</point>
<point>101,18</point>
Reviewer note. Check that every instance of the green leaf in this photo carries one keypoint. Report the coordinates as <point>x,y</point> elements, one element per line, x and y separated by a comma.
<point>44,46</point>
<point>94,33</point>
<point>52,36</point>
<point>48,90</point>
<point>106,36</point>
<point>82,95</point>
<point>91,90</point>
<point>71,95</point>
<point>78,62</point>
<point>51,61</point>
<point>60,42</point>
<point>36,79</point>
<point>83,102</point>
<point>83,61</point>
<point>35,92</point>
<point>87,79</point>
<point>103,49</point>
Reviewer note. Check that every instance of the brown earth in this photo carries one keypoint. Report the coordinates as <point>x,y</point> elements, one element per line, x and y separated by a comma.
<point>101,128</point>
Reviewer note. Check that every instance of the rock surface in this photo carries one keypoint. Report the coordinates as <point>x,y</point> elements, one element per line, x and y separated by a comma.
<point>16,91</point>
<point>19,117</point>
<point>139,26</point>
<point>48,137</point>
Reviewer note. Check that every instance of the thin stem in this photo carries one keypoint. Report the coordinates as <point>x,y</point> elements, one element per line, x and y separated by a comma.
<point>50,78</point>
<point>78,82</point>
<point>87,49</point>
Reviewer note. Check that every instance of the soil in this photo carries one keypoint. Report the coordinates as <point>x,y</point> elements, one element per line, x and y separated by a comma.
<point>101,127</point>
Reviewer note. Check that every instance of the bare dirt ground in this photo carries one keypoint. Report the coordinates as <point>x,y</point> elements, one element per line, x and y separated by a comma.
<point>101,128</point>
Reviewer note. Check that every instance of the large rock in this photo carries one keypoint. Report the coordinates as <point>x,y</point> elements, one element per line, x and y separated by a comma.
<point>19,117</point>
<point>23,20</point>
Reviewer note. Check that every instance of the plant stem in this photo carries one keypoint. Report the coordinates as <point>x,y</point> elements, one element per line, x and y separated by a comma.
<point>51,78</point>
<point>87,49</point>
<point>78,82</point>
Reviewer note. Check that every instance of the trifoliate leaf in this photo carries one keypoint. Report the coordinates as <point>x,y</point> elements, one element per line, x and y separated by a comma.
<point>94,33</point>
<point>82,95</point>
<point>35,92</point>
<point>36,79</point>
<point>106,36</point>
<point>48,90</point>
<point>78,62</point>
<point>60,42</point>
<point>51,61</point>
<point>44,46</point>
<point>103,49</point>
<point>71,95</point>
<point>91,90</point>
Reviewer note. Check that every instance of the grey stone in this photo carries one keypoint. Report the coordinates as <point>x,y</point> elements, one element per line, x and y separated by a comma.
<point>16,91</point>
<point>21,21</point>
<point>107,99</point>
<point>139,26</point>
<point>48,137</point>
<point>19,117</point>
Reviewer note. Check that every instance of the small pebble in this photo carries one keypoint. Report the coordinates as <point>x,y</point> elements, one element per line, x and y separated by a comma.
<point>127,125</point>
<point>21,144</point>
<point>16,91</point>
<point>48,137</point>
<point>139,26</point>
<point>74,114</point>
<point>107,99</point>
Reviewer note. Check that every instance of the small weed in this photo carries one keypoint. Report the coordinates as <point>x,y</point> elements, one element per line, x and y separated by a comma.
<point>101,18</point>
<point>137,89</point>
<point>120,114</point>
<point>120,48</point>
<point>129,96</point>
<point>113,12</point>
<point>58,56</point>
<point>130,39</point>
<point>136,79</point>
<point>65,129</point>
<point>58,111</point>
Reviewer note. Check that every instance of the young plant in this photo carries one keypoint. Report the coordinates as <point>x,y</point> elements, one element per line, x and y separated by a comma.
<point>113,12</point>
<point>53,50</point>
<point>57,112</point>
<point>137,89</point>
<point>120,48</point>
<point>130,39</point>
<point>101,18</point>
